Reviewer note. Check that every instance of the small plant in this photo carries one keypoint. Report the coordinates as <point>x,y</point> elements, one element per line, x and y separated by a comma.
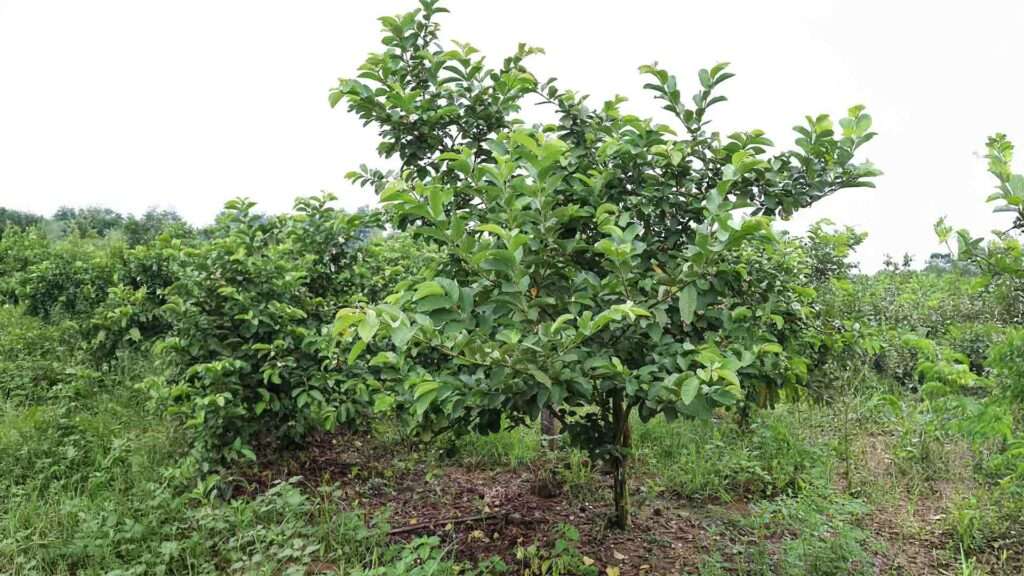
<point>562,559</point>
<point>969,566</point>
<point>968,518</point>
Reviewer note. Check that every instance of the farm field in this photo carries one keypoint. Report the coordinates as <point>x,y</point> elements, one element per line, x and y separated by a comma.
<point>578,346</point>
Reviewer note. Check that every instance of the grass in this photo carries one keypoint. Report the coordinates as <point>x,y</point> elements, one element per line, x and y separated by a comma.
<point>94,489</point>
<point>716,460</point>
<point>509,448</point>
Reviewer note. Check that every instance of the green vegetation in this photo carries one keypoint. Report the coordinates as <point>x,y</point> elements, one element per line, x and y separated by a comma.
<point>322,392</point>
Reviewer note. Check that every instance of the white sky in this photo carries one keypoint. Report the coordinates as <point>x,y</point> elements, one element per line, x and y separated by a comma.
<point>132,104</point>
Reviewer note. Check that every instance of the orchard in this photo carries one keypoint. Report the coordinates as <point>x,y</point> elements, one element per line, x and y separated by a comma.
<point>581,346</point>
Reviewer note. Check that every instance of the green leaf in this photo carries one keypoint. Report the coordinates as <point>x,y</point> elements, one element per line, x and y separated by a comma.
<point>705,79</point>
<point>728,375</point>
<point>425,394</point>
<point>386,358</point>
<point>494,229</point>
<point>499,260</point>
<point>428,288</point>
<point>356,350</point>
<point>560,321</point>
<point>725,396</point>
<point>425,388</point>
<point>368,327</point>
<point>402,333</point>
<point>383,403</point>
<point>688,303</point>
<point>540,376</point>
<point>438,197</point>
<point>346,317</point>
<point>688,391</point>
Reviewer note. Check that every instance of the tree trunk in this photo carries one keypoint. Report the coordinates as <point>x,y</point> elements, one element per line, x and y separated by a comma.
<point>620,460</point>
<point>549,429</point>
<point>743,416</point>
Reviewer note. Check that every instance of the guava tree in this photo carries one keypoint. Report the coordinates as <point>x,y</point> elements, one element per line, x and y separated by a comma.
<point>1001,256</point>
<point>592,263</point>
<point>1001,259</point>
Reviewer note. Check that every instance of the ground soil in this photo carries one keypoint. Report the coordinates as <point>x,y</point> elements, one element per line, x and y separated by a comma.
<point>482,513</point>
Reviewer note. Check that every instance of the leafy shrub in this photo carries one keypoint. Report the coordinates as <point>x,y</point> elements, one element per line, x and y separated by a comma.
<point>19,249</point>
<point>829,250</point>
<point>939,370</point>
<point>68,280</point>
<point>1006,360</point>
<point>152,224</point>
<point>126,319</point>
<point>988,520</point>
<point>36,359</point>
<point>16,220</point>
<point>387,261</point>
<point>92,221</point>
<point>424,556</point>
<point>129,318</point>
<point>245,348</point>
<point>974,340</point>
<point>896,359</point>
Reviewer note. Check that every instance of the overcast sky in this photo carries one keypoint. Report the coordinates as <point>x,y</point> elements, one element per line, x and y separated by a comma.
<point>185,104</point>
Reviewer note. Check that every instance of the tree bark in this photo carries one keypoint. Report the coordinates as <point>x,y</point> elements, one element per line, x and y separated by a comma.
<point>549,429</point>
<point>620,461</point>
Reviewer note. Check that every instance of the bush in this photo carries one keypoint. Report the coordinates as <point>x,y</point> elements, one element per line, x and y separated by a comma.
<point>129,318</point>
<point>244,347</point>
<point>35,358</point>
<point>69,279</point>
<point>1006,360</point>
<point>19,249</point>
<point>974,340</point>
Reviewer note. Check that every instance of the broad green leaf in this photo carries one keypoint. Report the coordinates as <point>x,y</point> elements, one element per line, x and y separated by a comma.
<point>357,349</point>
<point>383,403</point>
<point>688,391</point>
<point>728,375</point>
<point>368,327</point>
<point>540,376</point>
<point>500,260</point>
<point>688,303</point>
<point>429,288</point>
